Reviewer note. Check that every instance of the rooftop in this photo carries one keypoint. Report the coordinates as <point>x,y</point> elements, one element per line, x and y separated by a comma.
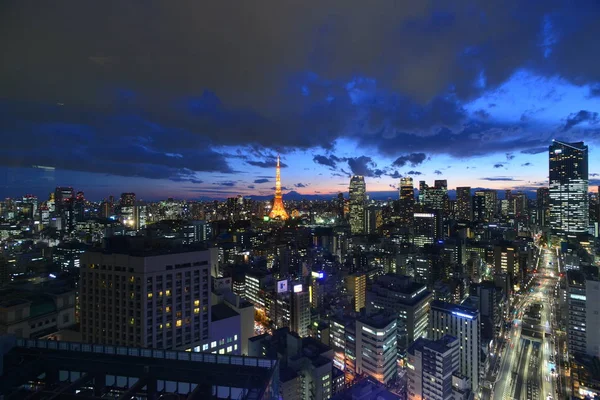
<point>146,247</point>
<point>455,309</point>
<point>222,311</point>
<point>248,377</point>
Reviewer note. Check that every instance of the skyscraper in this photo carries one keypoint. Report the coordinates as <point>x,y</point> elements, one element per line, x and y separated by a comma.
<point>357,194</point>
<point>278,210</point>
<point>568,175</point>
<point>485,205</point>
<point>463,203</point>
<point>542,206</point>
<point>407,201</point>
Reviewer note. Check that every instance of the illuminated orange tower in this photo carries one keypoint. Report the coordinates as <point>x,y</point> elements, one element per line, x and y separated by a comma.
<point>278,210</point>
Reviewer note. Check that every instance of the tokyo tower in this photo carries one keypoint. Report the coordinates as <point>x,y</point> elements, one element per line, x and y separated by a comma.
<point>278,210</point>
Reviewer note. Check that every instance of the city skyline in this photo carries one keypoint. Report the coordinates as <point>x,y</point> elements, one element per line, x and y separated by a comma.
<point>116,116</point>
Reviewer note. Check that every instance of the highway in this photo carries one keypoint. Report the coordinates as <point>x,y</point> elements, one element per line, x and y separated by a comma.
<point>528,355</point>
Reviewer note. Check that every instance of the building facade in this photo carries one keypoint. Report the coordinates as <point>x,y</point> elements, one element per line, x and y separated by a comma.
<point>146,298</point>
<point>568,175</point>
<point>357,200</point>
<point>462,323</point>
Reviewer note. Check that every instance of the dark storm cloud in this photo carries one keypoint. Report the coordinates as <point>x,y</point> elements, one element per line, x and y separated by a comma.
<point>268,163</point>
<point>500,179</point>
<point>527,164</point>
<point>579,117</point>
<point>251,187</point>
<point>413,159</point>
<point>364,165</point>
<point>395,175</point>
<point>301,185</point>
<point>303,83</point>
<point>499,165</point>
<point>262,180</point>
<point>414,173</point>
<point>329,161</point>
<point>536,150</point>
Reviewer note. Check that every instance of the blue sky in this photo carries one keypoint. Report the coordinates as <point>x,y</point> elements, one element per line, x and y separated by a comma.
<point>190,100</point>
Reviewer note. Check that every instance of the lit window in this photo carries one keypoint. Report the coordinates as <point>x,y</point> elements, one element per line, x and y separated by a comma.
<point>150,295</point>
<point>132,321</point>
<point>222,351</point>
<point>235,346</point>
<point>160,293</point>
<point>196,303</point>
<point>168,324</point>
<point>168,309</point>
<point>213,345</point>
<point>168,292</point>
<point>204,347</point>
<point>234,337</point>
<point>229,349</point>
<point>160,326</point>
<point>178,323</point>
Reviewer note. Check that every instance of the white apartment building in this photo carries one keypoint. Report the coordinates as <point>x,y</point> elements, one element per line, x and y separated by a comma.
<point>462,323</point>
<point>376,347</point>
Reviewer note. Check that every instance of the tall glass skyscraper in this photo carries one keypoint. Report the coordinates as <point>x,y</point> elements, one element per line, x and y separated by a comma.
<point>407,201</point>
<point>357,194</point>
<point>569,212</point>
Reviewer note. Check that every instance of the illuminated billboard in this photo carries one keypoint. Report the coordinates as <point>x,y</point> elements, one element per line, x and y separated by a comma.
<point>282,286</point>
<point>298,288</point>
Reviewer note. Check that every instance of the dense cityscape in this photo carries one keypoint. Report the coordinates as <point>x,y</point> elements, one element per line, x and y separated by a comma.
<point>491,294</point>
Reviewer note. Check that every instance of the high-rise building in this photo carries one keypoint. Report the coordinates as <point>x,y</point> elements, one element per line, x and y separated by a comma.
<point>407,201</point>
<point>583,316</point>
<point>356,284</point>
<point>300,310</point>
<point>278,209</point>
<point>132,294</point>
<point>431,365</point>
<point>358,198</point>
<point>410,301</point>
<point>462,323</point>
<point>436,197</point>
<point>485,205</point>
<point>79,207</point>
<point>568,175</point>
<point>376,347</point>
<point>427,227</point>
<point>542,210</point>
<point>127,210</point>
<point>62,195</point>
<point>463,203</point>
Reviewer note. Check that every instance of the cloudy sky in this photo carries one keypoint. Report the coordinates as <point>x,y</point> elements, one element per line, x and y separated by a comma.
<point>193,98</point>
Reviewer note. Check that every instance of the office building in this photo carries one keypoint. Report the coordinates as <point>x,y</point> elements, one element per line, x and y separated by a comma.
<point>62,197</point>
<point>357,200</point>
<point>463,203</point>
<point>568,175</point>
<point>136,294</point>
<point>406,202</point>
<point>462,323</point>
<point>65,370</point>
<point>542,209</point>
<point>300,310</point>
<point>583,313</point>
<point>436,197</point>
<point>342,339</point>
<point>430,368</point>
<point>356,285</point>
<point>427,227</point>
<point>376,347</point>
<point>410,301</point>
<point>485,205</point>
<point>255,283</point>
